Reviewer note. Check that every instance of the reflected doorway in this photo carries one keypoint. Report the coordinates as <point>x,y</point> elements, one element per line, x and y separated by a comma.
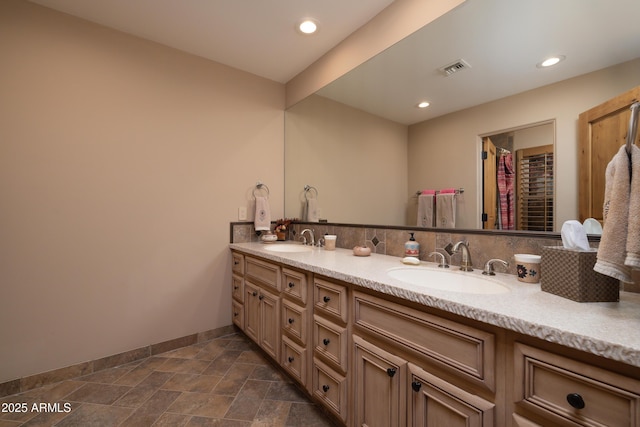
<point>518,178</point>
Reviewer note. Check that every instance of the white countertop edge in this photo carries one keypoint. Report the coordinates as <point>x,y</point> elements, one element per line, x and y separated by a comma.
<point>610,330</point>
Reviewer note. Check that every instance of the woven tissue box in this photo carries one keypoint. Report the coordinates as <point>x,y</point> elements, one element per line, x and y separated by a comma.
<point>569,273</point>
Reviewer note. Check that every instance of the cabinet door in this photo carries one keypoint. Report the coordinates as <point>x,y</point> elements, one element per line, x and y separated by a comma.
<point>379,386</point>
<point>252,311</point>
<point>434,402</point>
<point>270,323</point>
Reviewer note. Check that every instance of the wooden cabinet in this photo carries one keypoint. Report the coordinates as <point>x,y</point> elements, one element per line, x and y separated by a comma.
<point>556,390</point>
<point>374,360</point>
<point>435,402</point>
<point>262,318</point>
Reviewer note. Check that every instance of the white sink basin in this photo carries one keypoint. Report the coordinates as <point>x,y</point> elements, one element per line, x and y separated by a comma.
<point>287,247</point>
<point>448,280</point>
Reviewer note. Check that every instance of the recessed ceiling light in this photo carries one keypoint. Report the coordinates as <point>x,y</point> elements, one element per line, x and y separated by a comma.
<point>308,26</point>
<point>423,104</point>
<point>553,60</point>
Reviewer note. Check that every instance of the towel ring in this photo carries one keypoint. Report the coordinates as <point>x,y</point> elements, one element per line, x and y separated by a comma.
<point>307,189</point>
<point>260,186</point>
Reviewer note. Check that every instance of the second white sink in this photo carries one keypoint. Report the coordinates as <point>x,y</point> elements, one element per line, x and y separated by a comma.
<point>448,280</point>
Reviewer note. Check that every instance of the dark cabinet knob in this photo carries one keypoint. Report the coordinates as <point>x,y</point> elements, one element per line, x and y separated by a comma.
<point>261,297</point>
<point>236,262</point>
<point>325,388</point>
<point>254,293</point>
<point>391,372</point>
<point>290,359</point>
<point>415,385</point>
<point>575,400</point>
<point>290,320</point>
<point>291,284</point>
<point>235,287</point>
<point>326,299</point>
<point>235,314</point>
<point>326,341</point>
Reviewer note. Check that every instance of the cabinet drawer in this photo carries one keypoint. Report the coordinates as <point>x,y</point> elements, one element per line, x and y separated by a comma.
<point>237,288</point>
<point>466,351</point>
<point>330,299</point>
<point>295,285</point>
<point>237,263</point>
<point>294,321</point>
<point>567,390</point>
<point>263,272</point>
<point>237,313</point>
<point>331,388</point>
<point>294,360</point>
<point>330,342</point>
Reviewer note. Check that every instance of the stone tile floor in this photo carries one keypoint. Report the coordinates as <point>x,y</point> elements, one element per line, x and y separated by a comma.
<point>222,382</point>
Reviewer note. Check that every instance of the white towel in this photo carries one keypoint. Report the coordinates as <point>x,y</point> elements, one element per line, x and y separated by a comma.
<point>633,236</point>
<point>446,210</point>
<point>312,210</point>
<point>425,210</point>
<point>613,242</point>
<point>262,219</point>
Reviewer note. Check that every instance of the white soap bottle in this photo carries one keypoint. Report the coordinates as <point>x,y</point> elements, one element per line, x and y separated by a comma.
<point>411,247</point>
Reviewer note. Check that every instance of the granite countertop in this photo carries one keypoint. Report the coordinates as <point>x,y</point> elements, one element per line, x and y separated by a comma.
<point>608,329</point>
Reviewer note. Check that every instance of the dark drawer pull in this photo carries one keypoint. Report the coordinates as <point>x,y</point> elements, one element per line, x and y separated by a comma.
<point>261,297</point>
<point>235,287</point>
<point>391,372</point>
<point>254,293</point>
<point>236,262</point>
<point>326,341</point>
<point>290,359</point>
<point>291,284</point>
<point>415,385</point>
<point>325,388</point>
<point>235,314</point>
<point>575,400</point>
<point>290,320</point>
<point>326,299</point>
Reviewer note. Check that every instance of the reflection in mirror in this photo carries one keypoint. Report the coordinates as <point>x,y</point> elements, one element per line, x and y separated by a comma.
<point>517,179</point>
<point>367,165</point>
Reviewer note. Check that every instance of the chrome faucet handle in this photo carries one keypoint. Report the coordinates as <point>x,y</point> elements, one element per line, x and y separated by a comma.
<point>443,262</point>
<point>303,240</point>
<point>488,267</point>
<point>320,242</point>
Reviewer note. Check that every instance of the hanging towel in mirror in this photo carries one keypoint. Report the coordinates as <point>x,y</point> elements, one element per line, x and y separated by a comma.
<point>262,220</point>
<point>633,235</point>
<point>613,242</point>
<point>446,210</point>
<point>311,210</point>
<point>426,215</point>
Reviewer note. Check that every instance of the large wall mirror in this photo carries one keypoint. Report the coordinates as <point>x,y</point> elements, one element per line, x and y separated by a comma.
<point>366,148</point>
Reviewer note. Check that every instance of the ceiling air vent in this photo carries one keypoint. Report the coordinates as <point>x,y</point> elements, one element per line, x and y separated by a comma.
<point>454,67</point>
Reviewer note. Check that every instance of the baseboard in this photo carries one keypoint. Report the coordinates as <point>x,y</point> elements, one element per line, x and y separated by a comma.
<point>85,368</point>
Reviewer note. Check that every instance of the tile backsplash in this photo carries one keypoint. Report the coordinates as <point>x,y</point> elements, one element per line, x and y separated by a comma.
<point>390,241</point>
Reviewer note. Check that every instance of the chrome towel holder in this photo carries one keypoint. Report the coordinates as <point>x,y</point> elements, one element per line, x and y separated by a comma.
<point>458,191</point>
<point>260,186</point>
<point>308,189</point>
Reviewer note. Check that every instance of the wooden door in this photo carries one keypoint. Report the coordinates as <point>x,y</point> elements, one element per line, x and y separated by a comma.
<point>490,184</point>
<point>252,311</point>
<point>434,403</point>
<point>602,130</point>
<point>270,333</point>
<point>379,386</point>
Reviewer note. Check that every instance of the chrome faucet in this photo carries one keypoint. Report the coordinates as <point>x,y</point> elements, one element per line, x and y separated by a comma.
<point>443,260</point>
<point>312,240</point>
<point>488,267</point>
<point>462,247</point>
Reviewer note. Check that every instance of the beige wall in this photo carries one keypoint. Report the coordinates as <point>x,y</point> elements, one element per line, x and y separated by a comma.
<point>122,163</point>
<point>444,151</point>
<point>356,161</point>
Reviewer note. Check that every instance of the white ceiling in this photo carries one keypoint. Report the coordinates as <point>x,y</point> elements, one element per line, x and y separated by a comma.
<point>258,36</point>
<point>502,40</point>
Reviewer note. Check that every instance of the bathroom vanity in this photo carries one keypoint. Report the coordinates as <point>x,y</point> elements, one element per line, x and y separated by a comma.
<point>376,349</point>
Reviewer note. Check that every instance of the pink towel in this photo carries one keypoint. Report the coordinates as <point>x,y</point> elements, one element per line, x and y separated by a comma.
<point>429,192</point>
<point>448,191</point>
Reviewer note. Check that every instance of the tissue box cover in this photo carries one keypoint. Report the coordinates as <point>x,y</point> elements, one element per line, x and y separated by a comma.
<point>569,273</point>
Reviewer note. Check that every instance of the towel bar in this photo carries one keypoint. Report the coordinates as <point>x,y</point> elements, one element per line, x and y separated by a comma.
<point>260,186</point>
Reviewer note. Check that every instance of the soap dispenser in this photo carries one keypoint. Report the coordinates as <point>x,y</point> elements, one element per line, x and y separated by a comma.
<point>411,247</point>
